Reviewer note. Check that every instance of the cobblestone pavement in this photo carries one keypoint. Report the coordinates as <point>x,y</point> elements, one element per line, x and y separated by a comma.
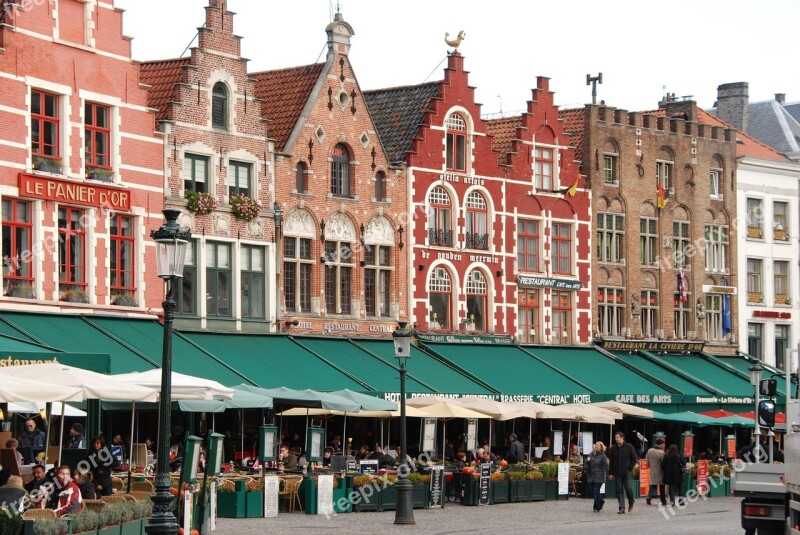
<point>714,516</point>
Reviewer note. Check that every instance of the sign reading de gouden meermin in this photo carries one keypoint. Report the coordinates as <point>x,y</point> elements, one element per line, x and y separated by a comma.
<point>74,192</point>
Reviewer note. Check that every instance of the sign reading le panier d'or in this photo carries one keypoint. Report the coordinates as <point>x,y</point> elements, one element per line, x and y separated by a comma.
<point>527,281</point>
<point>67,191</point>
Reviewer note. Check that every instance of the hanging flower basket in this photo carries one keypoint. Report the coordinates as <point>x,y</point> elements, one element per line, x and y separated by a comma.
<point>200,203</point>
<point>245,208</point>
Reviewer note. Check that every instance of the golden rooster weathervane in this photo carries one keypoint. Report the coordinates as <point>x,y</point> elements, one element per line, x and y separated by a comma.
<point>454,42</point>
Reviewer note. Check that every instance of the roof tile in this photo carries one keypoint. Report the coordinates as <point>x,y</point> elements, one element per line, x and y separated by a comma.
<point>162,77</point>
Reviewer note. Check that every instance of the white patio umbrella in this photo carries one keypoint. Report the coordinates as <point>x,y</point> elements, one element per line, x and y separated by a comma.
<point>183,386</point>
<point>31,407</point>
<point>624,409</point>
<point>18,389</point>
<point>447,410</point>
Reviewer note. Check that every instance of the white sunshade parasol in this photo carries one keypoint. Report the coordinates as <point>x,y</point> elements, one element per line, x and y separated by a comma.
<point>411,412</point>
<point>183,386</point>
<point>498,410</point>
<point>91,385</point>
<point>31,407</point>
<point>624,409</point>
<point>18,389</point>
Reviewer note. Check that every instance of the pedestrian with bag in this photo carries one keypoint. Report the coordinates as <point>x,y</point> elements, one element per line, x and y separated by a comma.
<point>597,473</point>
<point>672,470</point>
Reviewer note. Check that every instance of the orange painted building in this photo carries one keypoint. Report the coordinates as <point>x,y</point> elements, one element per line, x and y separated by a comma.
<point>81,167</point>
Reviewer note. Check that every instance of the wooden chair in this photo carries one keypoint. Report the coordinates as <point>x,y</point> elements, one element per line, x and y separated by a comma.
<point>114,499</point>
<point>140,495</point>
<point>39,514</point>
<point>574,481</point>
<point>118,484</point>
<point>94,505</point>
<point>290,491</point>
<point>145,486</point>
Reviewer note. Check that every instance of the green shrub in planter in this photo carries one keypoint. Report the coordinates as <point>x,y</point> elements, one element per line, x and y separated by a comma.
<point>10,523</point>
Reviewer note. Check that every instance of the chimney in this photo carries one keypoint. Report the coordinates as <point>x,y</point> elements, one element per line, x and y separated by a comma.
<point>780,98</point>
<point>339,33</point>
<point>732,104</point>
<point>682,109</point>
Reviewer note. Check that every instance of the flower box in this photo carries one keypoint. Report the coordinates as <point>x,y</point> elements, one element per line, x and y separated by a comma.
<point>254,504</point>
<point>231,504</point>
<point>537,490</point>
<point>388,498</point>
<point>520,490</point>
<point>472,490</point>
<point>341,502</point>
<point>420,498</point>
<point>498,491</point>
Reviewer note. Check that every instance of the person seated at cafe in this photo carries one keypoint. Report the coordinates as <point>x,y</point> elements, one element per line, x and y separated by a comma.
<point>409,459</point>
<point>77,440</point>
<point>336,443</point>
<point>547,454</point>
<point>461,460</point>
<point>575,454</point>
<point>39,487</point>
<point>449,452</point>
<point>363,452</point>
<point>477,454</point>
<point>150,445</point>
<point>13,496</point>
<point>68,494</point>
<point>376,454</point>
<point>289,460</point>
<point>31,441</point>
<point>85,484</point>
<point>13,443</point>
<point>488,457</point>
<point>102,462</point>
<point>326,456</point>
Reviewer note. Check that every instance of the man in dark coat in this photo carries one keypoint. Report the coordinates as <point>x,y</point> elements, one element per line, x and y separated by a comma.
<point>516,451</point>
<point>623,459</point>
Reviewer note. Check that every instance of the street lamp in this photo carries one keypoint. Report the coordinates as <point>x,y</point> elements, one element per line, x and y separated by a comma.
<point>404,513</point>
<point>171,241</point>
<point>277,217</point>
<point>755,380</point>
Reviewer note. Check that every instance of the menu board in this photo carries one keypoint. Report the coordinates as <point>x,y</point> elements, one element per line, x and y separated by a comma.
<point>688,445</point>
<point>437,486</point>
<point>212,504</point>
<point>428,440</point>
<point>368,466</point>
<point>702,477</point>
<point>187,511</point>
<point>644,477</point>
<point>586,442</point>
<point>486,474</point>
<point>271,490</point>
<point>471,435</point>
<point>557,443</point>
<point>730,443</point>
<point>325,494</point>
<point>563,478</point>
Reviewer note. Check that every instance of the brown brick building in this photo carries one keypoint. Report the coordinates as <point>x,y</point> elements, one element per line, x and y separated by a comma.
<point>216,155</point>
<point>664,207</point>
<point>343,270</point>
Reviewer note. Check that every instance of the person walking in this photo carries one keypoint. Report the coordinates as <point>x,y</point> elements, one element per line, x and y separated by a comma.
<point>597,473</point>
<point>672,471</point>
<point>654,457</point>
<point>623,460</point>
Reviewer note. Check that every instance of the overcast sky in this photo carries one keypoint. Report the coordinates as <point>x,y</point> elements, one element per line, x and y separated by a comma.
<point>642,47</point>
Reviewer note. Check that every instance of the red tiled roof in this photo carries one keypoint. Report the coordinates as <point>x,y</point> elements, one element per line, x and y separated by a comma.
<point>573,126</point>
<point>284,93</point>
<point>162,77</point>
<point>503,131</point>
<point>745,145</point>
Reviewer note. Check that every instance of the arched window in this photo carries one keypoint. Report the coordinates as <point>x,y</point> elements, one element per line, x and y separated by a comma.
<point>476,301</point>
<point>456,143</point>
<point>477,231</point>
<point>340,171</point>
<point>440,222</point>
<point>300,180</point>
<point>441,300</point>
<point>380,186</point>
<point>219,106</point>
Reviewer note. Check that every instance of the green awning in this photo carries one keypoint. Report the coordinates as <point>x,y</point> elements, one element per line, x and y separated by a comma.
<point>508,369</point>
<point>601,373</point>
<point>729,386</point>
<point>677,382</point>
<point>73,334</point>
<point>146,337</point>
<point>375,372</point>
<point>441,375</point>
<point>271,361</point>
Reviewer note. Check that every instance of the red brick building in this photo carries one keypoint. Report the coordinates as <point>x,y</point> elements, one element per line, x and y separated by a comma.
<point>500,222</point>
<point>217,156</point>
<point>664,207</point>
<point>80,163</point>
<point>343,263</point>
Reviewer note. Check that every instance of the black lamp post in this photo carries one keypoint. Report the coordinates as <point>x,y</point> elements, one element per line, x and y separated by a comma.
<point>277,214</point>
<point>755,380</point>
<point>171,240</point>
<point>404,513</point>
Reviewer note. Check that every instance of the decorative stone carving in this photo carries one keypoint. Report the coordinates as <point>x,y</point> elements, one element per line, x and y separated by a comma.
<point>255,228</point>
<point>339,228</point>
<point>700,307</point>
<point>221,223</point>
<point>636,306</point>
<point>379,232</point>
<point>186,219</point>
<point>299,223</point>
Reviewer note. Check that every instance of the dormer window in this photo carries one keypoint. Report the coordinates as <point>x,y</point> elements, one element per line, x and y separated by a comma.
<point>219,106</point>
<point>456,143</point>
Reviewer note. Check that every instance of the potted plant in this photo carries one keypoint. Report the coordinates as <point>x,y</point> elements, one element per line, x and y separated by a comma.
<point>365,501</point>
<point>498,488</point>
<point>10,523</point>
<point>75,296</point>
<point>125,299</point>
<point>254,498</point>
<point>200,202</point>
<point>537,485</point>
<point>244,207</point>
<point>519,486</point>
<point>103,174</point>
<point>231,499</point>
<point>420,488</point>
<point>46,164</point>
<point>22,290</point>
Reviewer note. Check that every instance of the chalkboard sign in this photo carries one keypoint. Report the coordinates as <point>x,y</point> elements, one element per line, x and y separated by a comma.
<point>437,487</point>
<point>486,474</point>
<point>368,466</point>
<point>352,466</point>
